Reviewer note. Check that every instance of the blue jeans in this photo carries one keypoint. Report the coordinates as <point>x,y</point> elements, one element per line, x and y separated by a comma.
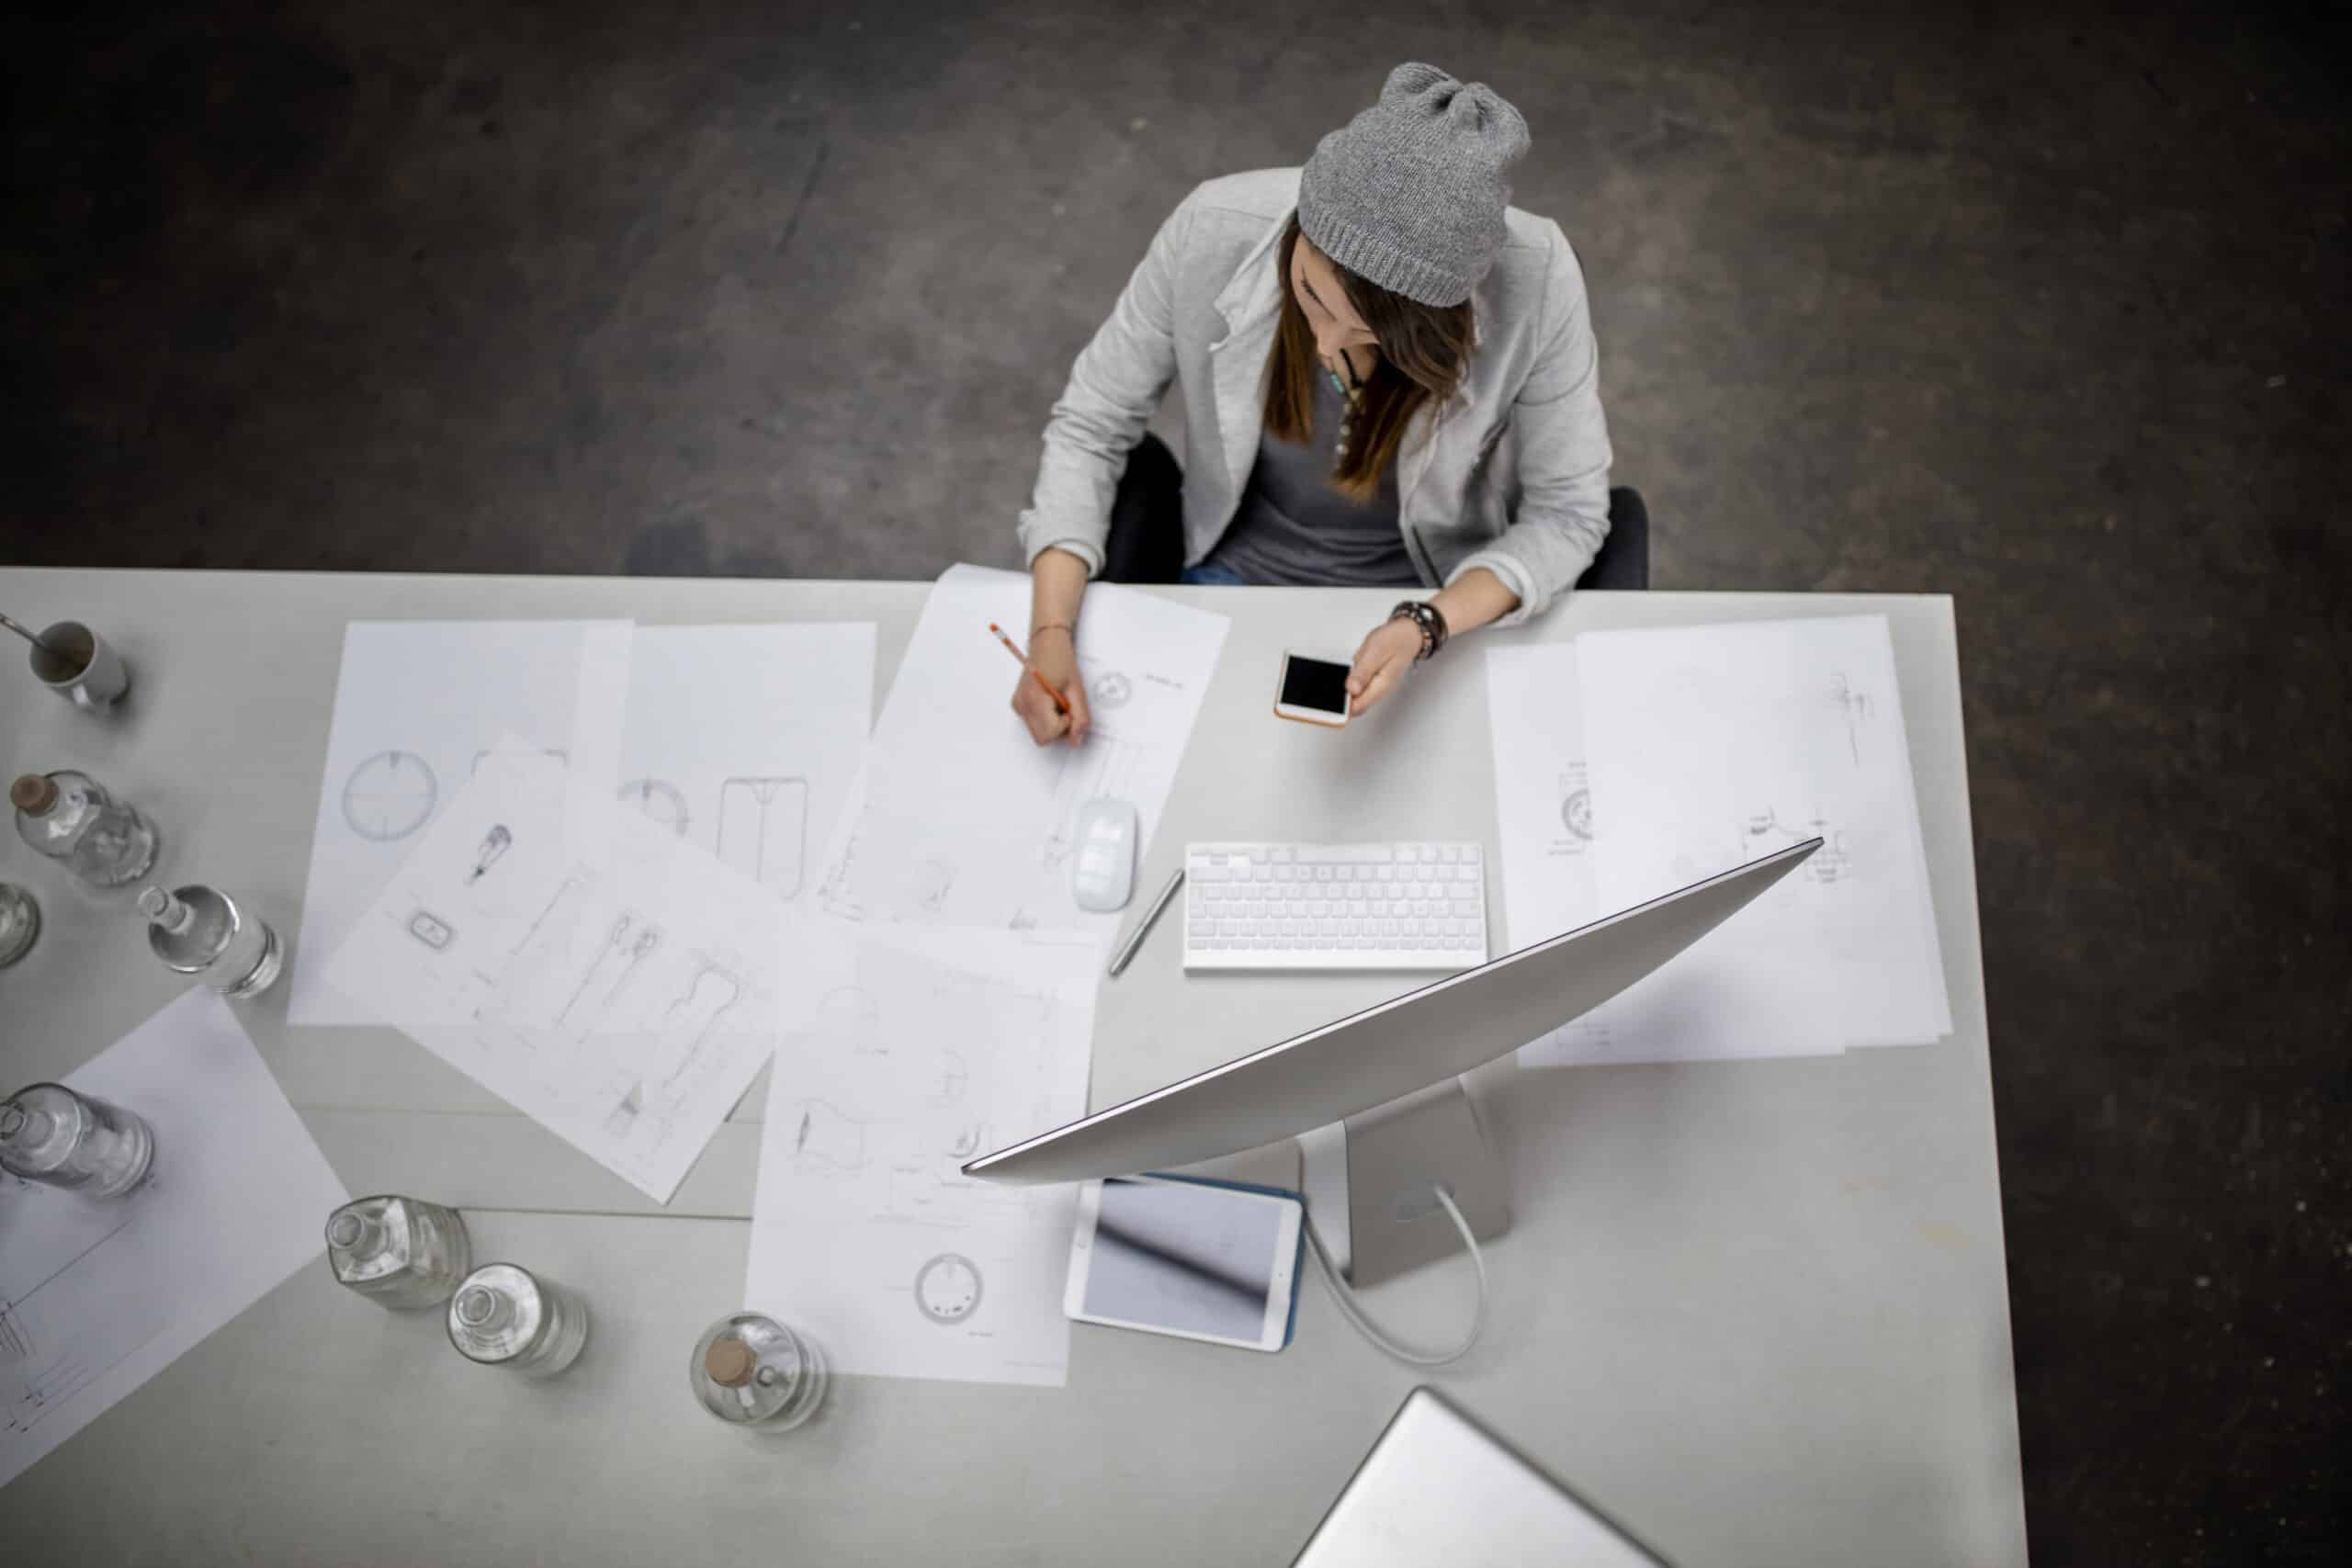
<point>1213,574</point>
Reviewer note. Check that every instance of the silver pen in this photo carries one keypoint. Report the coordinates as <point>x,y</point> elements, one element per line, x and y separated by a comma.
<point>1143,927</point>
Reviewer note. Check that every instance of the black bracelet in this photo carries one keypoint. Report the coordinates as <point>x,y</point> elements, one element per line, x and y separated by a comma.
<point>1428,619</point>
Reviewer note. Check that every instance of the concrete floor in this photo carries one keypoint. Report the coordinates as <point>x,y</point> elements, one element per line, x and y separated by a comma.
<point>2040,306</point>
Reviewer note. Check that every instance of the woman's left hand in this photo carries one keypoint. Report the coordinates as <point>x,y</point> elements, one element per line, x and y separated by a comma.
<point>1381,662</point>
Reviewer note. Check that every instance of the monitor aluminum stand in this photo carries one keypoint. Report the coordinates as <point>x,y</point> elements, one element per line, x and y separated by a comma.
<point>1371,1183</point>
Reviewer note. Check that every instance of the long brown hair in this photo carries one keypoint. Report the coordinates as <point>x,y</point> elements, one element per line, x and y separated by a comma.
<point>1424,350</point>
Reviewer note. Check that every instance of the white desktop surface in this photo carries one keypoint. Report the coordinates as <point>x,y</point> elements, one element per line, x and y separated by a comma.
<point>1756,1311</point>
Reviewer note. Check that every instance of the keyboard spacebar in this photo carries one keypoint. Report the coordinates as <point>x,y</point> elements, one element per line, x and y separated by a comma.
<point>1344,958</point>
<point>1345,854</point>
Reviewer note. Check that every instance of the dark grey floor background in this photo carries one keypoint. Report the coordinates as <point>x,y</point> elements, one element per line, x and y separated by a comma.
<point>2044,306</point>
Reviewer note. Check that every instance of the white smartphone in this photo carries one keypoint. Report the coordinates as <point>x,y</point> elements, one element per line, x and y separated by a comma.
<point>1314,690</point>
<point>1206,1260</point>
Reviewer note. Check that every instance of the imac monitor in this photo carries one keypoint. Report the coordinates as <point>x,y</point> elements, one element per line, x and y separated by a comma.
<point>1358,1064</point>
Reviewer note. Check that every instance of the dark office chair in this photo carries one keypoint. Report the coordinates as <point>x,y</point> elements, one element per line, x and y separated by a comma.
<point>1147,542</point>
<point>1625,558</point>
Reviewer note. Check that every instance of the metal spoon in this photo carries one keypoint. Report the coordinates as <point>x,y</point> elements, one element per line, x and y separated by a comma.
<point>21,632</point>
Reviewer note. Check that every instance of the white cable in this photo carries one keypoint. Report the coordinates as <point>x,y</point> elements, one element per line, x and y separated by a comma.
<point>1353,1310</point>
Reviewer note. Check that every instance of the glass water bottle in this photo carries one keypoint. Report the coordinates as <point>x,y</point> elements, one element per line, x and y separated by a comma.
<point>503,1315</point>
<point>399,1252</point>
<point>201,931</point>
<point>67,816</point>
<point>19,922</point>
<point>751,1371</point>
<point>49,1133</point>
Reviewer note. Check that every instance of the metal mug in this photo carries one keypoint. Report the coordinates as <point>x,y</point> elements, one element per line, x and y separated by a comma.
<point>76,663</point>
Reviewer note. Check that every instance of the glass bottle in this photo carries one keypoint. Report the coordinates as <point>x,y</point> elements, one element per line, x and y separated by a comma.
<point>503,1315</point>
<point>200,931</point>
<point>19,922</point>
<point>399,1252</point>
<point>751,1371</point>
<point>67,816</point>
<point>49,1133</point>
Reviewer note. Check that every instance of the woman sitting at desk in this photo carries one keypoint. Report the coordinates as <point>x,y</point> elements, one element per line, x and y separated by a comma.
<point>1389,377</point>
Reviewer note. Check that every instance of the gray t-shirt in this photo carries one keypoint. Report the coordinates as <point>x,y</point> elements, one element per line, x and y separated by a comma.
<point>1293,529</point>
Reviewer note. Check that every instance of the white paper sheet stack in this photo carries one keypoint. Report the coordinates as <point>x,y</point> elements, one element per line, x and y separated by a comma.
<point>1640,761</point>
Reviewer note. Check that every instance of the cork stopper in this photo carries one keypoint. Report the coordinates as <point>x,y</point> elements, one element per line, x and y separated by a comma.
<point>33,795</point>
<point>729,1361</point>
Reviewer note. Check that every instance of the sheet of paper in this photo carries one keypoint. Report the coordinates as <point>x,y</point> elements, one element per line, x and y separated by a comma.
<point>960,818</point>
<point>608,979</point>
<point>1709,747</point>
<point>1545,807</point>
<point>417,706</point>
<point>930,1046</point>
<point>745,739</point>
<point>96,1298</point>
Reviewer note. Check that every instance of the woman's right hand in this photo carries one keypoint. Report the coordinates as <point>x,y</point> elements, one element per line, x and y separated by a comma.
<point>1053,655</point>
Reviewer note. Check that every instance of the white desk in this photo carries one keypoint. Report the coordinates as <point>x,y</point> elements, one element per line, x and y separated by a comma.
<point>1756,1311</point>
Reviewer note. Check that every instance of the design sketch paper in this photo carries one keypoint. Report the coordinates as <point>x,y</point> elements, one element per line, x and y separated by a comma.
<point>1712,746</point>
<point>96,1298</point>
<point>928,1049</point>
<point>744,741</point>
<point>960,819</point>
<point>417,706</point>
<point>1545,806</point>
<point>612,982</point>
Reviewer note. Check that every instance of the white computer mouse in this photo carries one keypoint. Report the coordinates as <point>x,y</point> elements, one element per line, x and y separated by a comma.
<point>1102,868</point>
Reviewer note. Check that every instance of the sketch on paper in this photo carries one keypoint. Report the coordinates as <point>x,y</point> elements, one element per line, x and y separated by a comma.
<point>947,1288</point>
<point>558,752</point>
<point>828,1138</point>
<point>1852,706</point>
<point>932,1042</point>
<point>1575,805</point>
<point>660,800</point>
<point>763,829</point>
<point>1109,691</point>
<point>621,991</point>
<point>1712,746</point>
<point>1763,833</point>
<point>959,820</point>
<point>431,930</point>
<point>493,847</point>
<point>390,795</point>
<point>97,1298</point>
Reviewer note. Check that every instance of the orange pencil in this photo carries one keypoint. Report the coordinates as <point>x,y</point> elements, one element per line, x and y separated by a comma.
<point>1013,648</point>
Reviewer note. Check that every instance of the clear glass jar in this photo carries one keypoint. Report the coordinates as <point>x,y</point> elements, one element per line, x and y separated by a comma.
<point>200,931</point>
<point>67,816</point>
<point>503,1315</point>
<point>399,1252</point>
<point>19,922</point>
<point>49,1133</point>
<point>751,1371</point>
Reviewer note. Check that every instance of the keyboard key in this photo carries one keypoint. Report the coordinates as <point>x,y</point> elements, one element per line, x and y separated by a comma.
<point>1450,855</point>
<point>1344,873</point>
<point>1280,857</point>
<point>1322,874</point>
<point>1407,854</point>
<point>1388,874</point>
<point>1470,853</point>
<point>1465,909</point>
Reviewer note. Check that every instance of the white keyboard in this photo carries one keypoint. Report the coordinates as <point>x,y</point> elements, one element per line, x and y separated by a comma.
<point>1334,906</point>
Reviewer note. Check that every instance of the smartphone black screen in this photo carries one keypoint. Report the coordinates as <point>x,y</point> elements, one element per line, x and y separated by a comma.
<point>1315,683</point>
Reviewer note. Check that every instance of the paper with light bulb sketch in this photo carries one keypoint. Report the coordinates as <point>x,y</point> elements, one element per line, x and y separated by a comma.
<point>742,739</point>
<point>1710,747</point>
<point>96,1297</point>
<point>960,819</point>
<point>609,979</point>
<point>928,1048</point>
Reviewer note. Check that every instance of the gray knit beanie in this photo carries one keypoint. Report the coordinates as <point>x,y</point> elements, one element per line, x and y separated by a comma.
<point>1410,194</point>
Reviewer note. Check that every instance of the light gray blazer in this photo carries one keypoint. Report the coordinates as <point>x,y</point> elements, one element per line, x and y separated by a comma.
<point>1511,474</point>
